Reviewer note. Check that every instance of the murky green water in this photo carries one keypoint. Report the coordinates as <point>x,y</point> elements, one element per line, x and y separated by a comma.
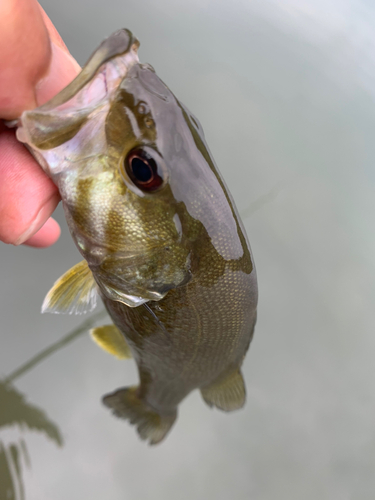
<point>285,93</point>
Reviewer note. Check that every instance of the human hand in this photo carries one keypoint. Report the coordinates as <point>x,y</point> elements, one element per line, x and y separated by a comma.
<point>34,66</point>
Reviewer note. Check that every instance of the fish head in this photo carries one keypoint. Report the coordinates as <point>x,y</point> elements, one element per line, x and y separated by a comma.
<point>136,179</point>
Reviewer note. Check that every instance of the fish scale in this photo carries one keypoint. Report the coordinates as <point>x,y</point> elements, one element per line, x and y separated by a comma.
<point>161,238</point>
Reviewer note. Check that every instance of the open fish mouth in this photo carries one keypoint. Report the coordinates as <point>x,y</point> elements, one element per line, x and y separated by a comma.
<point>74,115</point>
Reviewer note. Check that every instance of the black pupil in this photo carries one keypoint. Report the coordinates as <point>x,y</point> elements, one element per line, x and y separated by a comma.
<point>142,171</point>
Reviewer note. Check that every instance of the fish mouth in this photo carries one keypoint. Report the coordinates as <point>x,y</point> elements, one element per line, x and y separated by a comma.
<point>53,130</point>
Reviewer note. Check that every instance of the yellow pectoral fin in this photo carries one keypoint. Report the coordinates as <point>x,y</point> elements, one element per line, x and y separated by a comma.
<point>75,292</point>
<point>110,339</point>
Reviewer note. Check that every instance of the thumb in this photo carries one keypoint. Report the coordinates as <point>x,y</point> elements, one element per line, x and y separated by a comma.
<point>34,66</point>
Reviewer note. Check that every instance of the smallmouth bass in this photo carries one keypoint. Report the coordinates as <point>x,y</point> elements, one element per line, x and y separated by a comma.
<point>162,242</point>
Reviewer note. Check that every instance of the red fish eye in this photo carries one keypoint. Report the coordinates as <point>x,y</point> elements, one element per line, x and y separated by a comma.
<point>142,170</point>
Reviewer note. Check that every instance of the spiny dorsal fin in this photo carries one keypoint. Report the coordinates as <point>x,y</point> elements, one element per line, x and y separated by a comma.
<point>227,394</point>
<point>75,292</point>
<point>111,340</point>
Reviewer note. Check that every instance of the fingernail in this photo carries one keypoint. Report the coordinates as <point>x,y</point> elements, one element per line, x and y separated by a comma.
<point>47,235</point>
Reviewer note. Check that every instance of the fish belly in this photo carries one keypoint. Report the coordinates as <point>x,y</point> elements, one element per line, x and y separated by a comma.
<point>191,338</point>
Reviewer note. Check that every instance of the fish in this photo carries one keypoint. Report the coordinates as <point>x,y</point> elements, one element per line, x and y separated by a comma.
<point>162,242</point>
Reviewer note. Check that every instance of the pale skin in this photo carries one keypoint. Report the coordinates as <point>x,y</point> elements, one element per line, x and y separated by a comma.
<point>34,66</point>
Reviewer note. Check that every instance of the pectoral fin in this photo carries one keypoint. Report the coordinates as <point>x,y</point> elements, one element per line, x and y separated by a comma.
<point>227,394</point>
<point>110,339</point>
<point>75,292</point>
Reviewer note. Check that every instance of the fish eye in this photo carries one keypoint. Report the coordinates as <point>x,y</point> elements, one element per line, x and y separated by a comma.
<point>142,169</point>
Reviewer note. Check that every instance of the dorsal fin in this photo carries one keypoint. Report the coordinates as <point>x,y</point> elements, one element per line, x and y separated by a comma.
<point>75,292</point>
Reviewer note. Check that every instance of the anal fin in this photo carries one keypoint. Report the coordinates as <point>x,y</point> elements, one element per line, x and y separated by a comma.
<point>151,426</point>
<point>111,340</point>
<point>227,394</point>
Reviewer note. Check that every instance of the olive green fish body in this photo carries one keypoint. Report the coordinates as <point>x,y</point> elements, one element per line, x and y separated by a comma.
<point>163,244</point>
<point>189,339</point>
